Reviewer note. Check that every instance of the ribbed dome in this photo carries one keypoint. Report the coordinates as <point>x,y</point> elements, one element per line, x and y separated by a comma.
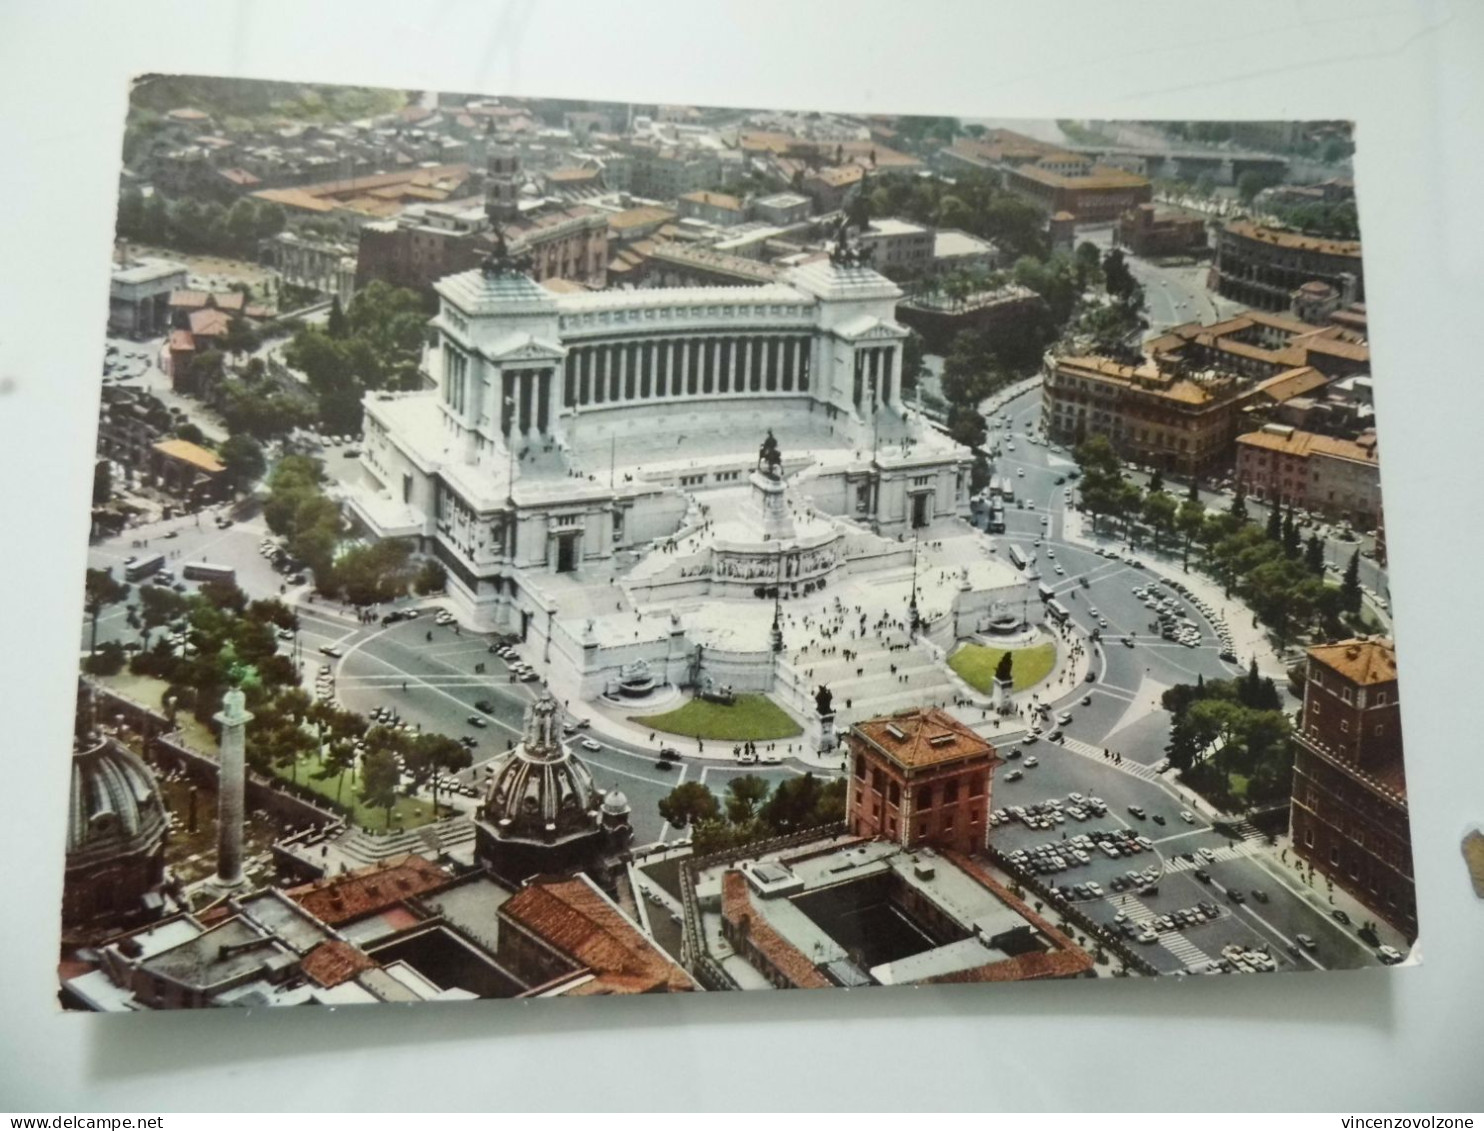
<point>615,804</point>
<point>541,791</point>
<point>115,807</point>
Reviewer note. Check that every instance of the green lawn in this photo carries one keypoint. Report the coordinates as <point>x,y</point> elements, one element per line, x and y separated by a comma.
<point>753,717</point>
<point>976,663</point>
<point>147,690</point>
<point>407,813</point>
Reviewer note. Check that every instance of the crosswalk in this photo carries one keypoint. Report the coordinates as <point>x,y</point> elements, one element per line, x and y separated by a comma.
<point>1088,750</point>
<point>1240,851</point>
<point>1173,941</point>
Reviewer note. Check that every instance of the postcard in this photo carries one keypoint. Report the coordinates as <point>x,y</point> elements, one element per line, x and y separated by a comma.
<point>545,548</point>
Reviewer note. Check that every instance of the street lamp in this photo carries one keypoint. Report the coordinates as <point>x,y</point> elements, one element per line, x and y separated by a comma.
<point>913,619</point>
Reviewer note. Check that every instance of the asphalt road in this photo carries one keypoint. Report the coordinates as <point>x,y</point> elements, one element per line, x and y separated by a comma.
<point>1124,716</point>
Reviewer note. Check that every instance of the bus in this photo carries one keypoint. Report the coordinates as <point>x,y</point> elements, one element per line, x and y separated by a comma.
<point>1057,611</point>
<point>1017,559</point>
<point>1007,489</point>
<point>995,524</point>
<point>200,571</point>
<point>144,567</point>
<point>1045,592</point>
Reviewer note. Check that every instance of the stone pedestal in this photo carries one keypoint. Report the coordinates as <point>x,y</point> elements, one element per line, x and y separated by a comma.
<point>770,505</point>
<point>828,739</point>
<point>1002,694</point>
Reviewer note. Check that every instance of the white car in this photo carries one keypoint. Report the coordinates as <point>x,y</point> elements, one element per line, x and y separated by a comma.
<point>1187,816</point>
<point>591,744</point>
<point>1207,855</point>
<point>1031,763</point>
<point>771,759</point>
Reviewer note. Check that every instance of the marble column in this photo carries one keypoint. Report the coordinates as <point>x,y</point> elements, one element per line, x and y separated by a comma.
<point>231,789</point>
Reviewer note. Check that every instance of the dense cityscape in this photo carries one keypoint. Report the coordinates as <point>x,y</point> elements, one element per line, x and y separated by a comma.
<point>548,548</point>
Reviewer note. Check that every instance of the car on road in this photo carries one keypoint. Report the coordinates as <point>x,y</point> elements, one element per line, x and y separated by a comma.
<point>529,676</point>
<point>484,705</point>
<point>1031,763</point>
<point>1389,955</point>
<point>663,765</point>
<point>1157,819</point>
<point>443,617</point>
<point>1259,895</point>
<point>332,650</point>
<point>285,634</point>
<point>1339,916</point>
<point>1064,717</point>
<point>1236,896</point>
<point>669,753</point>
<point>1013,753</point>
<point>1014,775</point>
<point>1020,472</point>
<point>1055,736</point>
<point>1137,811</point>
<point>477,721</point>
<point>1202,875</point>
<point>591,744</point>
<point>1207,855</point>
<point>1187,816</point>
<point>771,759</point>
<point>1306,941</point>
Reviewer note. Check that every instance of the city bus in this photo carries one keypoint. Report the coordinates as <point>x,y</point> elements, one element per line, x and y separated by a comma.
<point>1007,489</point>
<point>144,567</point>
<point>1017,559</point>
<point>995,524</point>
<point>1057,611</point>
<point>200,571</point>
<point>1045,592</point>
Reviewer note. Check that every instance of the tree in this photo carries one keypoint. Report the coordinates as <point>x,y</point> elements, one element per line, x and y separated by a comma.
<point>688,803</point>
<point>336,325</point>
<point>744,795</point>
<point>102,483</point>
<point>431,755</point>
<point>159,606</point>
<point>1156,482</point>
<point>1160,511</point>
<point>1252,182</point>
<point>1292,543</point>
<point>379,779</point>
<point>100,590</point>
<point>1275,522</point>
<point>1118,280</point>
<point>1089,264</point>
<point>1314,555</point>
<point>1239,504</point>
<point>243,461</point>
<point>1190,521</point>
<point>190,433</point>
<point>206,370</point>
<point>240,337</point>
<point>1205,185</point>
<point>1350,584</point>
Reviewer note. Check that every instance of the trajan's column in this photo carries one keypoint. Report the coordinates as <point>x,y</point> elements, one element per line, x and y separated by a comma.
<point>231,788</point>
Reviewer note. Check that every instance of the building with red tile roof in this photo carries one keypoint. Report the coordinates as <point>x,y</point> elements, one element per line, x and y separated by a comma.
<point>920,777</point>
<point>569,939</point>
<point>1348,815</point>
<point>369,891</point>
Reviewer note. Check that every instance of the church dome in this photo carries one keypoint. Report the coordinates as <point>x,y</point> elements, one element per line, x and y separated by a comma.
<point>115,808</point>
<point>615,804</point>
<point>541,791</point>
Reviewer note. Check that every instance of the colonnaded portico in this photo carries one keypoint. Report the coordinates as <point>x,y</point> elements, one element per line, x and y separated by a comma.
<point>572,434</point>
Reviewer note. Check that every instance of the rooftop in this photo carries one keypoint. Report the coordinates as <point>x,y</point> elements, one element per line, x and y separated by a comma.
<point>190,453</point>
<point>926,736</point>
<point>1097,177</point>
<point>714,200</point>
<point>1364,661</point>
<point>341,899</point>
<point>1279,237</point>
<point>577,919</point>
<point>1293,442</point>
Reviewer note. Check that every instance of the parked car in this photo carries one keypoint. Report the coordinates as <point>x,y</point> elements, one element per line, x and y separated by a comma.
<point>477,721</point>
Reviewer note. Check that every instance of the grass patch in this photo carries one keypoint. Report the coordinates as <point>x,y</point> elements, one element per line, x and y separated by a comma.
<point>408,813</point>
<point>975,664</point>
<point>149,691</point>
<point>754,717</point>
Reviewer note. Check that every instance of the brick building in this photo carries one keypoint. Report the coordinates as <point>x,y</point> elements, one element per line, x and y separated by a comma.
<point>1349,807</point>
<point>920,777</point>
<point>1152,413</point>
<point>1149,232</point>
<point>1338,477</point>
<point>1100,194</point>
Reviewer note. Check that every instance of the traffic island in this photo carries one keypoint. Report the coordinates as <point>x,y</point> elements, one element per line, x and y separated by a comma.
<point>753,718</point>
